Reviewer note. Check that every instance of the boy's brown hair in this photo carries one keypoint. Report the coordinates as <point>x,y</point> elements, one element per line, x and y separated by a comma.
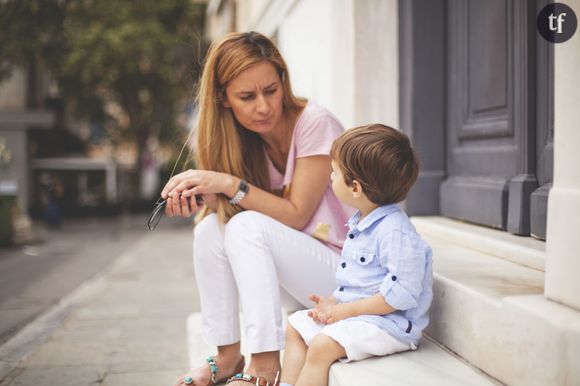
<point>380,158</point>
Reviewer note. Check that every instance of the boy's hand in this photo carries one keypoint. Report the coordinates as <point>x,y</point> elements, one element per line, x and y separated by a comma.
<point>328,310</point>
<point>323,305</point>
<point>337,312</point>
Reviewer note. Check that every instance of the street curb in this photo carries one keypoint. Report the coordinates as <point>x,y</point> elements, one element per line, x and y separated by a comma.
<point>24,343</point>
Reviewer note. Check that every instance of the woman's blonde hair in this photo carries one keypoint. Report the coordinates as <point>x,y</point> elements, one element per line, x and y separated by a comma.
<point>222,144</point>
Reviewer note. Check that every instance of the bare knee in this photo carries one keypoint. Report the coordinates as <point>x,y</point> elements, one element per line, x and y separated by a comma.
<point>293,336</point>
<point>324,351</point>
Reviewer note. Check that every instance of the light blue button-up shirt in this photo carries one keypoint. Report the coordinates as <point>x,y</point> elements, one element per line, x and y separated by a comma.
<point>383,253</point>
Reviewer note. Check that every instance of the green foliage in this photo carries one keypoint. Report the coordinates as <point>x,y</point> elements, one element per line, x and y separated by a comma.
<point>126,65</point>
<point>30,30</point>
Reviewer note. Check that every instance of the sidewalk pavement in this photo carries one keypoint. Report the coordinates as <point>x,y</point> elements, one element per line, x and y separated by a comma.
<point>126,326</point>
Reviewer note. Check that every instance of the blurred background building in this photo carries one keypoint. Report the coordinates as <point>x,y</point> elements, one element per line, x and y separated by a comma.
<point>93,113</point>
<point>492,108</point>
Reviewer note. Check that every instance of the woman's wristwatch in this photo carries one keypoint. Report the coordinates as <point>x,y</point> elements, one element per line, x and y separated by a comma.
<point>243,189</point>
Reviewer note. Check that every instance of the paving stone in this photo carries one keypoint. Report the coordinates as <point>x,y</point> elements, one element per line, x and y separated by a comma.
<point>131,330</point>
<point>60,376</point>
<point>154,378</point>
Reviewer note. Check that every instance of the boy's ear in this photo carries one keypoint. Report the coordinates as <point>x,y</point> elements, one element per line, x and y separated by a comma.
<point>357,189</point>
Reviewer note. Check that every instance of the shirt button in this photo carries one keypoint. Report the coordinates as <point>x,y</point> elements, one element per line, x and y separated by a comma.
<point>362,259</point>
<point>394,278</point>
<point>351,236</point>
<point>343,265</point>
<point>341,289</point>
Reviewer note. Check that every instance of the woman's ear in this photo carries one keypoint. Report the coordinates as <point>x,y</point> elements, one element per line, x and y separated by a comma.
<point>224,99</point>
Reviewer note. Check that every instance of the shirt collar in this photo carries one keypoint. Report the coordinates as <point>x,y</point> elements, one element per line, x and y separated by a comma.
<point>374,216</point>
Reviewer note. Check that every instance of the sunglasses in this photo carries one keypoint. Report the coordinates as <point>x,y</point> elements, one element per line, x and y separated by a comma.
<point>159,209</point>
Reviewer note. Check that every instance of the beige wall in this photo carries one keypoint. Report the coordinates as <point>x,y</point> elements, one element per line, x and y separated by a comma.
<point>376,56</point>
<point>563,245</point>
<point>220,18</point>
<point>249,13</point>
<point>316,39</point>
<point>344,55</point>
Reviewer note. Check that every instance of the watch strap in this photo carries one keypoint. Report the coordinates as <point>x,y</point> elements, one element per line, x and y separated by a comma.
<point>243,189</point>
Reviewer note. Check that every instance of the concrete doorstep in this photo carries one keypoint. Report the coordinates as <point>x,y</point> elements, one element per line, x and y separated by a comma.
<point>489,306</point>
<point>429,365</point>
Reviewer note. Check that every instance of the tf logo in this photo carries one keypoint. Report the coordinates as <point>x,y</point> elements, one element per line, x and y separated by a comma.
<point>557,22</point>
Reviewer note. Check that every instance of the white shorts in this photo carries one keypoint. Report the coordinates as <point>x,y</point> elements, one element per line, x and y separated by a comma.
<point>359,339</point>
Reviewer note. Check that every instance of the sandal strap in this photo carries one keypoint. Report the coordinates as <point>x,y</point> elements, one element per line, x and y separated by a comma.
<point>213,367</point>
<point>258,381</point>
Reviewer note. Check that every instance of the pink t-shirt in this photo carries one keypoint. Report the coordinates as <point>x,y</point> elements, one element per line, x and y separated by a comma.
<point>315,131</point>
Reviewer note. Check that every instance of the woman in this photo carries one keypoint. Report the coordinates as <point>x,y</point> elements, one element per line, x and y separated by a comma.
<point>275,227</point>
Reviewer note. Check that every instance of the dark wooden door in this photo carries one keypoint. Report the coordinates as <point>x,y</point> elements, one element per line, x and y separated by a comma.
<point>494,157</point>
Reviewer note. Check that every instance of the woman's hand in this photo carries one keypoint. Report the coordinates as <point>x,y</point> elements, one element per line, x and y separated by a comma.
<point>192,182</point>
<point>181,189</point>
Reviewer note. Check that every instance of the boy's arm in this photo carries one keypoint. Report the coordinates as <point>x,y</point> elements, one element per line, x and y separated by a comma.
<point>405,257</point>
<point>373,305</point>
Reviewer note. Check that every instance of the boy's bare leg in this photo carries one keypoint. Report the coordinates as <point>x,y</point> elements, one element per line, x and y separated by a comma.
<point>323,352</point>
<point>294,356</point>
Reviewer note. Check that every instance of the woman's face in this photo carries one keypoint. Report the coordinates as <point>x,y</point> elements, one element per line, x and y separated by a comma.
<point>255,97</point>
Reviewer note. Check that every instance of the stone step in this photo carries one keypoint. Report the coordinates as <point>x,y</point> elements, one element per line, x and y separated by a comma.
<point>492,312</point>
<point>524,251</point>
<point>429,365</point>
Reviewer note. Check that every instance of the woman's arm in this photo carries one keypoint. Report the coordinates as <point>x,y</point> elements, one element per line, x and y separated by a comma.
<point>310,181</point>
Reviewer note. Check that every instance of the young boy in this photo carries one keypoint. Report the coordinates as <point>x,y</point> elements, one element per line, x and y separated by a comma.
<point>384,276</point>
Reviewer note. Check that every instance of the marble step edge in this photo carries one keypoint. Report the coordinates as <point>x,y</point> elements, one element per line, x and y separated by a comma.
<point>513,333</point>
<point>521,250</point>
<point>431,364</point>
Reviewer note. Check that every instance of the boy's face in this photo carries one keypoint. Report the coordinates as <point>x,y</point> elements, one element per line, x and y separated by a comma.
<point>340,188</point>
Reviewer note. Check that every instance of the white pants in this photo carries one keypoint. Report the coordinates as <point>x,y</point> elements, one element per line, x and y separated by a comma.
<point>260,259</point>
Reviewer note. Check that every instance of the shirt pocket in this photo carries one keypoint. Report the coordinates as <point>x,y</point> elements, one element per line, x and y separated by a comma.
<point>361,270</point>
<point>362,258</point>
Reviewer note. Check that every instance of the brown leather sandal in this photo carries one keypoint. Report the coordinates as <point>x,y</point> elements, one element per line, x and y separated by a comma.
<point>258,381</point>
<point>213,368</point>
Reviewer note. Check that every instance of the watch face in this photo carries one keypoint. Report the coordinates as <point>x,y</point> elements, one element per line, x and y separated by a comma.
<point>244,187</point>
